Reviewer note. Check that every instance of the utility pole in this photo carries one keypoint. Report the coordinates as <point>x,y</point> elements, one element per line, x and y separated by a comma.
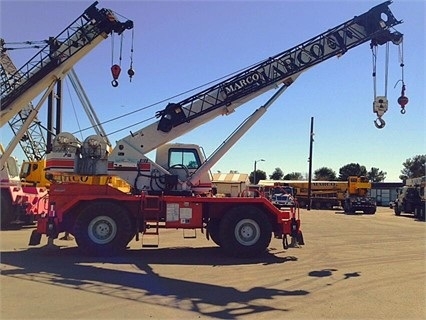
<point>255,169</point>
<point>310,163</point>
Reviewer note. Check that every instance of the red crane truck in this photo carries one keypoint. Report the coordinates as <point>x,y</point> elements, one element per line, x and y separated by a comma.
<point>174,191</point>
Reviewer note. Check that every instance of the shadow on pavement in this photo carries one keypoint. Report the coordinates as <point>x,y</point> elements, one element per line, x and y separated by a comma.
<point>137,281</point>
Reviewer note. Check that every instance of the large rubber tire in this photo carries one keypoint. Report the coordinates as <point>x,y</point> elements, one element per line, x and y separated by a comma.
<point>103,228</point>
<point>245,232</point>
<point>419,213</point>
<point>213,228</point>
<point>397,210</point>
<point>7,209</point>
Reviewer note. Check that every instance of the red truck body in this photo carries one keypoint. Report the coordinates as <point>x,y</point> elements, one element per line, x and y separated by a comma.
<point>94,213</point>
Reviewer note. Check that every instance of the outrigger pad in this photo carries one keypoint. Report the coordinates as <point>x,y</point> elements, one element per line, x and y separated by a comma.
<point>35,238</point>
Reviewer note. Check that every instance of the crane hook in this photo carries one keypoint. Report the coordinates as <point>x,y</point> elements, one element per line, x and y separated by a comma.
<point>403,100</point>
<point>379,123</point>
<point>380,106</point>
<point>115,70</point>
<point>131,73</point>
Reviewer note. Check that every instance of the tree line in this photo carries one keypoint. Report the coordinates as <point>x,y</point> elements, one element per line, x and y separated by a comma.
<point>412,168</point>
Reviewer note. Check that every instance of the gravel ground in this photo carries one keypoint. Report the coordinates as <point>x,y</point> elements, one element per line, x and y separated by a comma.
<point>352,267</point>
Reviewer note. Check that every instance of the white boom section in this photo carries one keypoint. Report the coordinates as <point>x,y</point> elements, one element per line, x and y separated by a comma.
<point>224,97</point>
<point>237,134</point>
<point>57,74</point>
<point>57,58</point>
<point>141,142</point>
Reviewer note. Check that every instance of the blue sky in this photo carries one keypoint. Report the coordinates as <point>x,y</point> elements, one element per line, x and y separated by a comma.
<point>180,45</point>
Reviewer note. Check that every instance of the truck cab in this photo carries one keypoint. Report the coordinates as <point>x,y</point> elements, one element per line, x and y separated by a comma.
<point>281,200</point>
<point>182,160</point>
<point>357,198</point>
<point>411,198</point>
<point>32,172</point>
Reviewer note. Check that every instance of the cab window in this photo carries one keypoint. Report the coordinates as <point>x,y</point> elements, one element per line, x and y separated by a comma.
<point>187,157</point>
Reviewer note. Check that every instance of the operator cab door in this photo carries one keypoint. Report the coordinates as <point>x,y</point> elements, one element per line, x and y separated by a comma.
<point>183,160</point>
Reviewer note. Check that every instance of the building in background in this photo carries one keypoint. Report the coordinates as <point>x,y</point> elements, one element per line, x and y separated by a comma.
<point>384,192</point>
<point>230,184</point>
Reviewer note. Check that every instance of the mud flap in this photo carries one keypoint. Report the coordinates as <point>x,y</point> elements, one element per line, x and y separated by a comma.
<point>35,238</point>
<point>300,238</point>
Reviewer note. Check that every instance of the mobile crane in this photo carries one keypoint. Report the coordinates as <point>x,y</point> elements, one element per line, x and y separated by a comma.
<point>20,87</point>
<point>351,195</point>
<point>357,198</point>
<point>173,191</point>
<point>324,194</point>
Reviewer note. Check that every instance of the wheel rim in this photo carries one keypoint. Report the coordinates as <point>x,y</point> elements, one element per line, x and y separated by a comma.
<point>247,232</point>
<point>102,230</point>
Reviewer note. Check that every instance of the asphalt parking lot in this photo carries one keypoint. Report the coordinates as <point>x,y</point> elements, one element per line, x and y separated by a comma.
<point>352,267</point>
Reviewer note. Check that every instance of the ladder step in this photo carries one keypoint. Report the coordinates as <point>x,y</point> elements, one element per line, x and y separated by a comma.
<point>149,245</point>
<point>152,232</point>
<point>153,227</point>
<point>187,234</point>
<point>152,243</point>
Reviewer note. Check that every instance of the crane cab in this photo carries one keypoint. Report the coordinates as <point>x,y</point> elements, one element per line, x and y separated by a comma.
<point>182,161</point>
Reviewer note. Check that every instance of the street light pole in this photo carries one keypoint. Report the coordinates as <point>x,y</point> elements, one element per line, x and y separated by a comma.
<point>310,164</point>
<point>254,173</point>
